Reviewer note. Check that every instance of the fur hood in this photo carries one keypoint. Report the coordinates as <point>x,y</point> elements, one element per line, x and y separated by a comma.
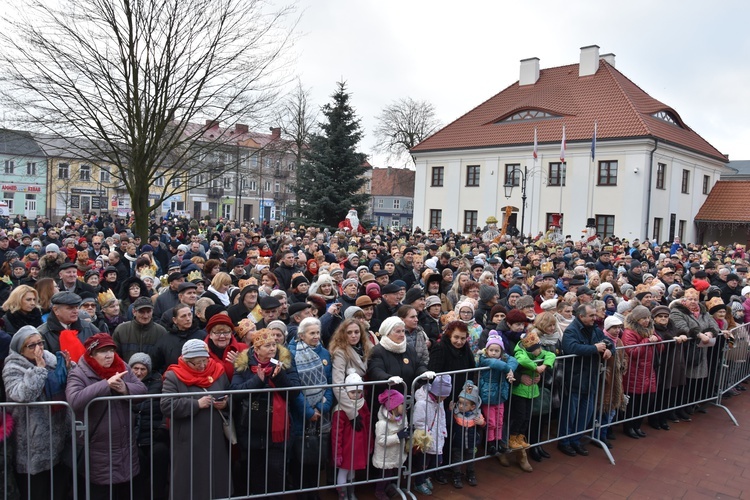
<point>49,260</point>
<point>242,361</point>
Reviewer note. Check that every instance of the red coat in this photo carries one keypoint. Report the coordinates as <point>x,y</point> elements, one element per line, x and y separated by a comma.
<point>641,375</point>
<point>352,447</point>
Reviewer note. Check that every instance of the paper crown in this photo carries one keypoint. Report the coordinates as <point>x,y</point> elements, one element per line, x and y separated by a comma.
<point>148,272</point>
<point>250,281</point>
<point>164,278</point>
<point>105,298</point>
<point>194,275</point>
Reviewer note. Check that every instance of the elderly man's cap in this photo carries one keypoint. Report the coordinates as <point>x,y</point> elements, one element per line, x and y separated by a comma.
<point>267,303</point>
<point>390,288</point>
<point>174,276</point>
<point>142,303</point>
<point>67,265</point>
<point>66,299</point>
<point>186,286</point>
<point>298,307</point>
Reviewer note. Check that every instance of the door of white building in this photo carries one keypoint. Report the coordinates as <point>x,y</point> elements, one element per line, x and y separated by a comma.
<point>30,207</point>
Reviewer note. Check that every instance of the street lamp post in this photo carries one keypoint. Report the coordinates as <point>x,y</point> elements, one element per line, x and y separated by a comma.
<point>508,187</point>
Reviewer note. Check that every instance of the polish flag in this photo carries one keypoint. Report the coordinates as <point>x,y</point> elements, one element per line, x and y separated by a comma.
<point>535,147</point>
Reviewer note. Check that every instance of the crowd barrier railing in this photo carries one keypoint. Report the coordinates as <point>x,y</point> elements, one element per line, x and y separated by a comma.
<point>170,441</point>
<point>38,449</point>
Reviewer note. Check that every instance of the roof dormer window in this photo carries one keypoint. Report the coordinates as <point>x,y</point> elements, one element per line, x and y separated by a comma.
<point>528,114</point>
<point>667,117</point>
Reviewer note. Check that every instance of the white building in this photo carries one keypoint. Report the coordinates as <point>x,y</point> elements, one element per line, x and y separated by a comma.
<point>649,176</point>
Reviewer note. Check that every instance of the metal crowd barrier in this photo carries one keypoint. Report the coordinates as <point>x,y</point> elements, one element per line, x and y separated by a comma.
<point>289,466</point>
<point>56,475</point>
<point>660,378</point>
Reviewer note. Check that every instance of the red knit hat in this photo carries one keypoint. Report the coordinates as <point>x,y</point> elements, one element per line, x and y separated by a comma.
<point>219,319</point>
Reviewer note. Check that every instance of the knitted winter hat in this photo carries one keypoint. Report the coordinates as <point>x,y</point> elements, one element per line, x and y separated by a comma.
<point>486,292</point>
<point>391,399</point>
<point>611,321</point>
<point>142,358</point>
<point>353,382</point>
<point>194,348</point>
<point>470,392</point>
<point>441,386</point>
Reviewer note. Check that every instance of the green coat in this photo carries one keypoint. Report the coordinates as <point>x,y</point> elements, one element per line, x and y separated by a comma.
<point>527,366</point>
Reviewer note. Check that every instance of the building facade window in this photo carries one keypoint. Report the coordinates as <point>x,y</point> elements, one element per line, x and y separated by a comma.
<point>685,186</point>
<point>661,173</point>
<point>267,185</point>
<point>706,184</point>
<point>63,171</point>
<point>438,174</point>
<point>397,204</point>
<point>607,173</point>
<point>104,176</point>
<point>436,219</point>
<point>10,167</point>
<point>681,229</point>
<point>277,187</point>
<point>380,202</point>
<point>556,174</point>
<point>175,182</point>
<point>8,198</point>
<point>470,221</point>
<point>253,186</point>
<point>512,174</point>
<point>30,168</point>
<point>472,175</point>
<point>159,181</point>
<point>605,225</point>
<point>658,221</point>
<point>84,173</point>
<point>227,183</point>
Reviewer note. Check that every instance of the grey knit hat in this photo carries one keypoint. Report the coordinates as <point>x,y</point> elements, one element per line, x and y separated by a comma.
<point>142,358</point>
<point>194,348</point>
<point>23,333</point>
<point>486,292</point>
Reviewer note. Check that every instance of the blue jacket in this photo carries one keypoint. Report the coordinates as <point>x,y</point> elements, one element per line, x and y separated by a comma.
<point>299,405</point>
<point>494,388</point>
<point>582,372</point>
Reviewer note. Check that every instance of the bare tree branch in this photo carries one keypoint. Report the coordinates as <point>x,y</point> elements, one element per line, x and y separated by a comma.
<point>129,84</point>
<point>402,125</point>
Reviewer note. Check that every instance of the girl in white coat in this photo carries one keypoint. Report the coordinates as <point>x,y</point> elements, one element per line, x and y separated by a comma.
<point>429,417</point>
<point>392,427</point>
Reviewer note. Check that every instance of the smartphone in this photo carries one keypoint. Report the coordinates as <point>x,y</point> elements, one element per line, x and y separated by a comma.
<point>275,361</point>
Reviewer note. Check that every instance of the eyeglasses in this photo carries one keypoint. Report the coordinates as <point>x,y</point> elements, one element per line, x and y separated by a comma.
<point>33,346</point>
<point>198,362</point>
<point>222,333</point>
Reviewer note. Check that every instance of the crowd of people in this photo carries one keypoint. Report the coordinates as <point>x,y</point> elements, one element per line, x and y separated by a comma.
<point>325,334</point>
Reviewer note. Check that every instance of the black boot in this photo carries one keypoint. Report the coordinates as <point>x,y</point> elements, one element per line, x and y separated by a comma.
<point>534,454</point>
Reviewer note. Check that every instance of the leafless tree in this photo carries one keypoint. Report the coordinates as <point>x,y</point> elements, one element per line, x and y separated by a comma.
<point>402,125</point>
<point>297,119</point>
<point>132,82</point>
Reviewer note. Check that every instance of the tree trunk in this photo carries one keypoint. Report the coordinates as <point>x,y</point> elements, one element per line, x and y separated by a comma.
<point>139,203</point>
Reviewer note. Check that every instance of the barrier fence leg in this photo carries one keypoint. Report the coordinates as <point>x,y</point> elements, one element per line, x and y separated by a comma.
<point>598,408</point>
<point>723,377</point>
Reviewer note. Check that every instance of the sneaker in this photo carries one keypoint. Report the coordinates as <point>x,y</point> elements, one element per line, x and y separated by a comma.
<point>423,489</point>
<point>428,482</point>
<point>471,478</point>
<point>457,483</point>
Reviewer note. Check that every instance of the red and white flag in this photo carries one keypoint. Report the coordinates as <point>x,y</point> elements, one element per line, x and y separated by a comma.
<point>562,147</point>
<point>535,148</point>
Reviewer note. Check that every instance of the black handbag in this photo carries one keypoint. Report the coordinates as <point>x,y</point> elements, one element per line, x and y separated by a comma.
<point>313,447</point>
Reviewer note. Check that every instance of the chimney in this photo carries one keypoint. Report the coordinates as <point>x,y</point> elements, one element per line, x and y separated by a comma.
<point>589,61</point>
<point>610,58</point>
<point>240,128</point>
<point>529,71</point>
<point>275,133</point>
<point>211,124</point>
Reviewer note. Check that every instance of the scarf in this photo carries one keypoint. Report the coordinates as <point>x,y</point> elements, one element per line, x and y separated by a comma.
<point>693,307</point>
<point>311,372</point>
<point>117,366</point>
<point>223,297</point>
<point>279,418</point>
<point>20,318</point>
<point>190,376</point>
<point>392,346</point>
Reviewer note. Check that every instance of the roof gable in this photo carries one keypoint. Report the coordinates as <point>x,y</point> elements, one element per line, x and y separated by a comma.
<point>392,182</point>
<point>620,108</point>
<point>727,202</point>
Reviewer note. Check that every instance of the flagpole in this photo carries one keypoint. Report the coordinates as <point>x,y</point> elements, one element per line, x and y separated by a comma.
<point>562,165</point>
<point>592,163</point>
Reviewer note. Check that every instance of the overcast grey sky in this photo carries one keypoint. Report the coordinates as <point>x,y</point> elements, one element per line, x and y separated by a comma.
<point>692,55</point>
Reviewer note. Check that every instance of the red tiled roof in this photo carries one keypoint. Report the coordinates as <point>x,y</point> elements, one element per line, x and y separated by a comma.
<point>727,202</point>
<point>620,108</point>
<point>392,182</point>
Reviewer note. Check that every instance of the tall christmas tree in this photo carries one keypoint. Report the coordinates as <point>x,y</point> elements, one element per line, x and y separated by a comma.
<point>333,171</point>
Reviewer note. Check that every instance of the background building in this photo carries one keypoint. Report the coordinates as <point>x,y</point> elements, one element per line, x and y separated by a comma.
<point>24,168</point>
<point>392,197</point>
<point>649,174</point>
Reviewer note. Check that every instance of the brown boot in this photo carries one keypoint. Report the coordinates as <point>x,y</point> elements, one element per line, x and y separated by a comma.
<point>514,443</point>
<point>522,441</point>
<point>503,458</point>
<point>523,461</point>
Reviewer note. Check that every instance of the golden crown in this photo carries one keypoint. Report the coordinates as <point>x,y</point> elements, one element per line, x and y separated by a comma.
<point>106,297</point>
<point>194,275</point>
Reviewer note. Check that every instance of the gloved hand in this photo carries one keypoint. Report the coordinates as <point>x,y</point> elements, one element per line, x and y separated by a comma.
<point>357,423</point>
<point>395,380</point>
<point>430,374</point>
<point>404,433</point>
